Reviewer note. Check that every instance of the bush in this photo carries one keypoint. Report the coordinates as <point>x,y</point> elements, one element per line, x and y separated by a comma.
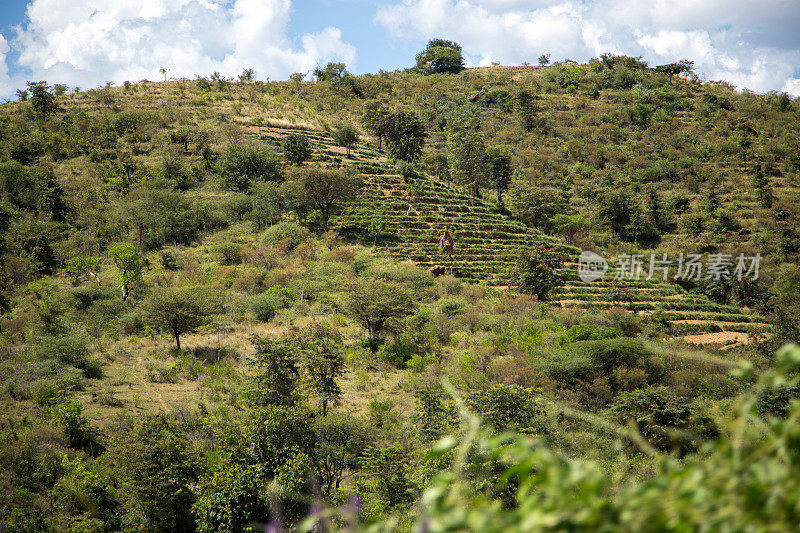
<point>230,254</point>
<point>589,332</point>
<point>241,165</point>
<point>263,306</point>
<point>287,234</point>
<point>70,350</point>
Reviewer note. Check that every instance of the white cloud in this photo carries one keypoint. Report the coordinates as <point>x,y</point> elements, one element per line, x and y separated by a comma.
<point>88,42</point>
<point>753,45</point>
<point>5,81</point>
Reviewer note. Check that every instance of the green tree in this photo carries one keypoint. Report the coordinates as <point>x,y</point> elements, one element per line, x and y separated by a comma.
<point>241,165</point>
<point>345,135</point>
<point>157,471</point>
<point>762,187</point>
<point>466,154</point>
<point>536,206</point>
<point>539,270</point>
<point>276,363</point>
<point>296,148</point>
<point>376,304</point>
<point>569,225</point>
<point>440,56</point>
<point>181,310</point>
<point>324,190</point>
<point>376,120</point>
<point>341,440</point>
<point>43,100</point>
<point>526,107</point>
<point>131,264</point>
<point>405,135</point>
<point>321,352</point>
<point>499,162</point>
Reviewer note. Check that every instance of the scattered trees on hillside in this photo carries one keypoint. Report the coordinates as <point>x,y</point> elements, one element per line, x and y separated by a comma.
<point>440,56</point>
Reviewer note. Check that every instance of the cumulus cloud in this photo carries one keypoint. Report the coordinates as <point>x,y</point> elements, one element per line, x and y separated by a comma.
<point>88,42</point>
<point>753,45</point>
<point>5,81</point>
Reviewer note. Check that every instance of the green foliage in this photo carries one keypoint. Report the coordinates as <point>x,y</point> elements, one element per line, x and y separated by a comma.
<point>287,234</point>
<point>43,100</point>
<point>296,148</point>
<point>440,56</point>
<point>321,354</point>
<point>538,271</point>
<point>345,135</point>
<point>405,135</point>
<point>377,305</point>
<point>323,190</point>
<point>157,470</point>
<point>130,263</point>
<point>466,154</point>
<point>181,310</point>
<point>241,165</point>
<point>278,374</point>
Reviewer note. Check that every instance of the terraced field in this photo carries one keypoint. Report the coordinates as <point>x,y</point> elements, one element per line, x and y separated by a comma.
<point>416,212</point>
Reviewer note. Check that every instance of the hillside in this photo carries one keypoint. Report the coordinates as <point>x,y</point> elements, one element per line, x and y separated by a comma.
<point>217,303</point>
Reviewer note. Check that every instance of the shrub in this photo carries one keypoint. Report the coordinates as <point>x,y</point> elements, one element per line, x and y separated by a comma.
<point>263,306</point>
<point>241,165</point>
<point>287,234</point>
<point>589,332</point>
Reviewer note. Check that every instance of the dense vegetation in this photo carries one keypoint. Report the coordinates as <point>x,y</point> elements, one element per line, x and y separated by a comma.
<point>218,306</point>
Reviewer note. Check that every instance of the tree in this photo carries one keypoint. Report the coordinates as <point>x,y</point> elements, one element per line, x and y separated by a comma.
<point>345,135</point>
<point>181,310</point>
<point>276,382</point>
<point>240,165</point>
<point>544,60</point>
<point>440,56</point>
<point>131,264</point>
<point>466,154</point>
<point>23,95</point>
<point>375,304</point>
<point>526,109</point>
<point>376,120</point>
<point>498,161</point>
<point>43,100</point>
<point>157,470</point>
<point>341,439</point>
<point>321,352</point>
<point>569,225</point>
<point>538,270</point>
<point>405,135</point>
<point>535,206</point>
<point>762,187</point>
<point>248,75</point>
<point>296,148</point>
<point>324,190</point>
<point>746,134</point>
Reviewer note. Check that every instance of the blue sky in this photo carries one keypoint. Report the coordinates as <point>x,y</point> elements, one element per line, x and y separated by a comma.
<point>85,43</point>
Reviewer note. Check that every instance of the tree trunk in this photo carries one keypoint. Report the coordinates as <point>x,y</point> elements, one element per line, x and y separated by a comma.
<point>177,340</point>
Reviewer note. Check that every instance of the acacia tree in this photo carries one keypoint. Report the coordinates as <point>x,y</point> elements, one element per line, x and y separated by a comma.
<point>538,270</point>
<point>375,304</point>
<point>323,190</point>
<point>276,382</point>
<point>181,310</point>
<point>466,154</point>
<point>405,135</point>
